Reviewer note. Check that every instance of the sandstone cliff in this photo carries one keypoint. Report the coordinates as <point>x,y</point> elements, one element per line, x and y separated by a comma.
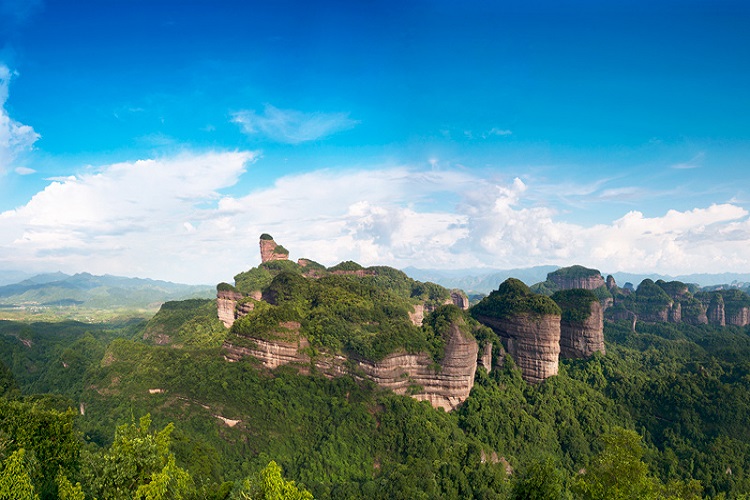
<point>270,250</point>
<point>528,325</point>
<point>582,339</point>
<point>715,311</point>
<point>581,325</point>
<point>577,277</point>
<point>533,341</point>
<point>444,385</point>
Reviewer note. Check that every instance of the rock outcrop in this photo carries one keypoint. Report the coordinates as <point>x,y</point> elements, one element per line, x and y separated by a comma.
<point>715,311</point>
<point>577,277</point>
<point>738,317</point>
<point>533,341</point>
<point>528,325</point>
<point>415,374</point>
<point>460,299</point>
<point>445,385</point>
<point>581,339</point>
<point>270,250</point>
<point>226,301</point>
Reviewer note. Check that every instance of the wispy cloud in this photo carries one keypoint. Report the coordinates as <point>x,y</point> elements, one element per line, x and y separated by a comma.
<point>494,131</point>
<point>15,138</point>
<point>291,126</point>
<point>25,171</point>
<point>694,162</point>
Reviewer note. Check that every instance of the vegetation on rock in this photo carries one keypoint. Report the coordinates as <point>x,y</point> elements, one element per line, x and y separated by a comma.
<point>575,304</point>
<point>513,298</point>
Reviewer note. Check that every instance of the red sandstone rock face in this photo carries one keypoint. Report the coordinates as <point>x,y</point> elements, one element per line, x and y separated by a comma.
<point>587,283</point>
<point>268,251</point>
<point>271,353</point>
<point>417,316</point>
<point>739,318</point>
<point>532,341</point>
<point>485,359</point>
<point>675,313</point>
<point>582,339</point>
<point>400,372</point>
<point>715,314</point>
<point>226,302</point>
<point>459,298</point>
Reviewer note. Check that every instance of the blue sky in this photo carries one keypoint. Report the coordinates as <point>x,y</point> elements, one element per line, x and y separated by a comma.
<point>160,138</point>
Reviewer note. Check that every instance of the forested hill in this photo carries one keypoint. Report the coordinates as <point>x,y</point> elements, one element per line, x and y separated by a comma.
<point>101,292</point>
<point>181,406</point>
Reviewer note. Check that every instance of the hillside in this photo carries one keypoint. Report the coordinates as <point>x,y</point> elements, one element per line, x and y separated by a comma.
<point>331,378</point>
<point>61,293</point>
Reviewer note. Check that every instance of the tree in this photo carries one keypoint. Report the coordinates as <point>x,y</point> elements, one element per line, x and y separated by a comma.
<point>15,481</point>
<point>138,465</point>
<point>542,480</point>
<point>270,485</point>
<point>618,471</point>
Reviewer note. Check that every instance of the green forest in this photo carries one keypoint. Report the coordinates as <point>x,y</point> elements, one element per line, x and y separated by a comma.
<point>109,411</point>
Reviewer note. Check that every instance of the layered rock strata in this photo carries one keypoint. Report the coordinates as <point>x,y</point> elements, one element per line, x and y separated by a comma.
<point>532,340</point>
<point>715,313</point>
<point>403,373</point>
<point>226,301</point>
<point>229,305</point>
<point>740,317</point>
<point>581,339</point>
<point>270,250</point>
<point>585,282</point>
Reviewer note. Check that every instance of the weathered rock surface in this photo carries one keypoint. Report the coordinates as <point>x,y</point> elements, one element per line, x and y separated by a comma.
<point>459,298</point>
<point>581,339</point>
<point>403,373</point>
<point>569,283</point>
<point>675,313</point>
<point>533,341</point>
<point>715,313</point>
<point>271,353</point>
<point>270,250</point>
<point>226,301</point>
<point>417,316</point>
<point>485,359</point>
<point>740,317</point>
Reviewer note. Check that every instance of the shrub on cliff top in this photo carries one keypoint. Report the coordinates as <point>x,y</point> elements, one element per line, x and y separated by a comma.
<point>513,297</point>
<point>575,304</point>
<point>280,250</point>
<point>225,287</point>
<point>348,265</point>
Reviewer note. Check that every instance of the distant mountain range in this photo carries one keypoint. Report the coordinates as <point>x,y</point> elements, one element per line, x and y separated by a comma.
<point>99,292</point>
<point>487,280</point>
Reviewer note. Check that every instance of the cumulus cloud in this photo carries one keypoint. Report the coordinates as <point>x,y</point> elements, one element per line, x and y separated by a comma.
<point>168,218</point>
<point>15,138</point>
<point>125,218</point>
<point>291,126</point>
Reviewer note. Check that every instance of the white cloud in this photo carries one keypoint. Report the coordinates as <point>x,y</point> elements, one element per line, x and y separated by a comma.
<point>15,138</point>
<point>125,218</point>
<point>694,162</point>
<point>167,219</point>
<point>291,126</point>
<point>25,171</point>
